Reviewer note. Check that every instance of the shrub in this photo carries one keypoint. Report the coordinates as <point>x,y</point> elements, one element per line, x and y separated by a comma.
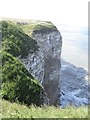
<point>15,41</point>
<point>18,83</point>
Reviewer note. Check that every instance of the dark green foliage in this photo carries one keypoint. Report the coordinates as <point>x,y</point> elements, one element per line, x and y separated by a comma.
<point>15,41</point>
<point>18,83</point>
<point>44,30</point>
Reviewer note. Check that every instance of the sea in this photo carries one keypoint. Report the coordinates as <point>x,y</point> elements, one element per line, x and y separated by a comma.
<point>74,45</point>
<point>75,67</point>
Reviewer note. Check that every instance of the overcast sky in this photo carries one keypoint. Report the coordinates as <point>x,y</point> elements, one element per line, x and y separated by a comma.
<point>71,12</point>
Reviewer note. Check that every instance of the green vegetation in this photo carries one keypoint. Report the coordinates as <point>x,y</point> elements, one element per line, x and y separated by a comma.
<point>37,27</point>
<point>13,110</point>
<point>15,41</point>
<point>17,83</point>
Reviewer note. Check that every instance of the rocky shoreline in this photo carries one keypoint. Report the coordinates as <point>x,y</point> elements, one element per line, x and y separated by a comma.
<point>74,85</point>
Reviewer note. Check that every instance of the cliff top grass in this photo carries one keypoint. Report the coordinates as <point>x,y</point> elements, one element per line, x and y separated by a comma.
<point>33,26</point>
<point>38,27</point>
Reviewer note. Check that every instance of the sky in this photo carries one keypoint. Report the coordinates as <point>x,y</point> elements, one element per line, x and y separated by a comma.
<point>70,12</point>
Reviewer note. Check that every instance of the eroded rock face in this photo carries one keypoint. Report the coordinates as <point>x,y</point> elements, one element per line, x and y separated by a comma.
<point>44,65</point>
<point>74,85</point>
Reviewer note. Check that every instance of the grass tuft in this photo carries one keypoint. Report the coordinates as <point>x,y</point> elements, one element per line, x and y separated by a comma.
<point>13,110</point>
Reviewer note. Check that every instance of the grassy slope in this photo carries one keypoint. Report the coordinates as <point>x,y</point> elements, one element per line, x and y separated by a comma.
<point>31,25</point>
<point>17,82</point>
<point>13,110</point>
<point>40,26</point>
<point>15,41</point>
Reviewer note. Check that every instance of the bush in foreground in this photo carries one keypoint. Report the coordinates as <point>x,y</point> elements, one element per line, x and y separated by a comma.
<point>17,83</point>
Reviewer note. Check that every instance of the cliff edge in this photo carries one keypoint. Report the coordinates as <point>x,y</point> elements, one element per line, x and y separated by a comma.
<point>44,64</point>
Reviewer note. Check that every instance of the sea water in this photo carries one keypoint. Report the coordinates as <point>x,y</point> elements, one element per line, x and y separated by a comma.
<point>75,45</point>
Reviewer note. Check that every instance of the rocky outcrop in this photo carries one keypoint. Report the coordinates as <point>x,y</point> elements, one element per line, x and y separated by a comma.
<point>74,85</point>
<point>44,65</point>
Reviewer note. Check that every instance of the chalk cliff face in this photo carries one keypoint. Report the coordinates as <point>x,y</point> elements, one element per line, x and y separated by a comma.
<point>44,64</point>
